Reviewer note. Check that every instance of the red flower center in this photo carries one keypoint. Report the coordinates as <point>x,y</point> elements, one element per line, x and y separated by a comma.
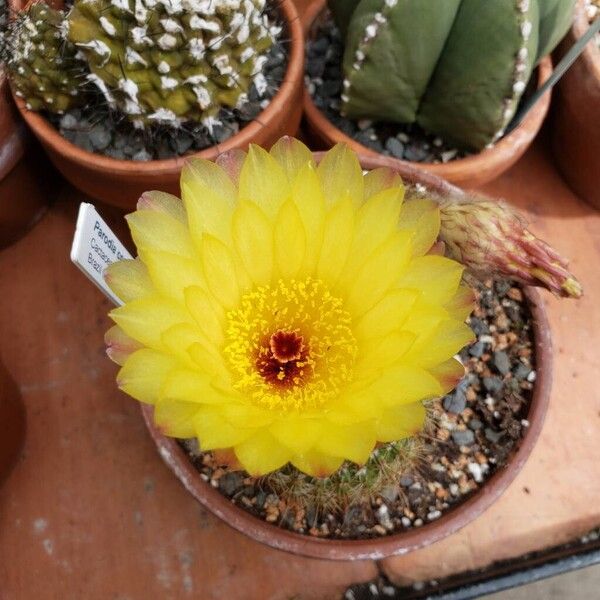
<point>282,360</point>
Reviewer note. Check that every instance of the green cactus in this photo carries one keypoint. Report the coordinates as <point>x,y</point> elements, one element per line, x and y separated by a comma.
<point>170,61</point>
<point>458,68</point>
<point>42,67</point>
<point>351,484</point>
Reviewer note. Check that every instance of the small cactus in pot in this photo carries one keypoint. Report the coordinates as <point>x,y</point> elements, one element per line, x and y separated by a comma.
<point>152,62</point>
<point>457,68</point>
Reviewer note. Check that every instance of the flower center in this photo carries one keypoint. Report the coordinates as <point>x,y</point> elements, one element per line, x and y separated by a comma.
<point>290,346</point>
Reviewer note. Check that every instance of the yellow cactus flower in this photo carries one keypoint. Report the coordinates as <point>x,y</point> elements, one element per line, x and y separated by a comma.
<point>287,312</point>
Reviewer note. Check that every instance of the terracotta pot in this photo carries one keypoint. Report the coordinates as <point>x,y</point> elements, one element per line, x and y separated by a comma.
<point>23,194</point>
<point>400,543</point>
<point>575,112</point>
<point>12,423</point>
<point>121,182</point>
<point>472,171</point>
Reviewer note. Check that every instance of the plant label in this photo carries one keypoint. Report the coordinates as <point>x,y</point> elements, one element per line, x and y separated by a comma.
<point>95,247</point>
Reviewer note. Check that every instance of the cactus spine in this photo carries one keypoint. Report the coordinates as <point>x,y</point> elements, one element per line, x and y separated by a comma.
<point>456,67</point>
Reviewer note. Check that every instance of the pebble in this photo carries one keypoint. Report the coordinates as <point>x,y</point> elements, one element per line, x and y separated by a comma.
<point>475,424</point>
<point>521,372</point>
<point>231,482</point>
<point>476,470</point>
<point>433,515</point>
<point>100,137</point>
<point>477,349</point>
<point>455,402</point>
<point>406,481</point>
<point>383,516</point>
<point>395,147</point>
<point>491,435</point>
<point>463,437</point>
<point>492,384</point>
<point>501,362</point>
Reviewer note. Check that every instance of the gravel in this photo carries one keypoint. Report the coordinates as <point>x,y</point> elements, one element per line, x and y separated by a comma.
<point>472,433</point>
<point>323,73</point>
<point>98,129</point>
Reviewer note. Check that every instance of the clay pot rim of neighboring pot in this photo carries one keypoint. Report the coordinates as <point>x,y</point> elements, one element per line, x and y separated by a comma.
<point>507,146</point>
<point>295,71</point>
<point>591,52</point>
<point>398,543</point>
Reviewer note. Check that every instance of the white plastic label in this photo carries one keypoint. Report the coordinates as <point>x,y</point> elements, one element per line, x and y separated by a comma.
<point>95,247</point>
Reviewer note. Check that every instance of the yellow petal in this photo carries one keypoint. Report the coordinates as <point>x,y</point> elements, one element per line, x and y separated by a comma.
<point>119,345</point>
<point>253,240</point>
<point>341,176</point>
<point>436,277</point>
<point>380,179</point>
<point>175,419</point>
<point>128,279</point>
<point>168,204</point>
<point>207,313</point>
<point>172,273</point>
<point>289,240</point>
<point>144,373</point>
<point>232,162</point>
<point>179,338</point>
<point>405,384</point>
<point>219,271</point>
<point>262,454</point>
<point>353,442</point>
<point>387,315</point>
<point>422,216</point>
<point>208,359</point>
<point>448,373</point>
<point>442,343</point>
<point>309,199</point>
<point>379,273</point>
<point>297,433</point>
<point>461,304</point>
<point>292,155</point>
<point>376,222</point>
<point>207,174</point>
<point>263,181</point>
<point>214,432</point>
<point>158,231</point>
<point>337,236</point>
<point>186,385</point>
<point>209,196</point>
<point>317,464</point>
<point>378,353</point>
<point>399,422</point>
<point>145,320</point>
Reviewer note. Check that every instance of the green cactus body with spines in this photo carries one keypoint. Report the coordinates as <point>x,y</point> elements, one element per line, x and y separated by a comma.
<point>458,68</point>
<point>173,61</point>
<point>42,67</point>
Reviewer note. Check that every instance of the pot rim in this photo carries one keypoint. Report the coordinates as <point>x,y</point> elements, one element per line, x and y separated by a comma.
<point>398,543</point>
<point>508,146</point>
<point>98,162</point>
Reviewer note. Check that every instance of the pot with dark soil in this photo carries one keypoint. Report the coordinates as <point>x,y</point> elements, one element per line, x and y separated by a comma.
<point>297,334</point>
<point>576,127</point>
<point>437,89</point>
<point>119,98</point>
<point>22,196</point>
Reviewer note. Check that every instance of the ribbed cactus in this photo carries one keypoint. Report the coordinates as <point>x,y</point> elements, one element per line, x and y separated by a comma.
<point>43,68</point>
<point>155,61</point>
<point>170,61</point>
<point>456,67</point>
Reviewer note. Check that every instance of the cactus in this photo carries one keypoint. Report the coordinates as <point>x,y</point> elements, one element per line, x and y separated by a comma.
<point>155,61</point>
<point>458,68</point>
<point>169,62</point>
<point>43,68</point>
<point>351,484</point>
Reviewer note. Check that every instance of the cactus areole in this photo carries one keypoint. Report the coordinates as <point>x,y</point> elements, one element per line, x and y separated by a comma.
<point>154,61</point>
<point>458,68</point>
